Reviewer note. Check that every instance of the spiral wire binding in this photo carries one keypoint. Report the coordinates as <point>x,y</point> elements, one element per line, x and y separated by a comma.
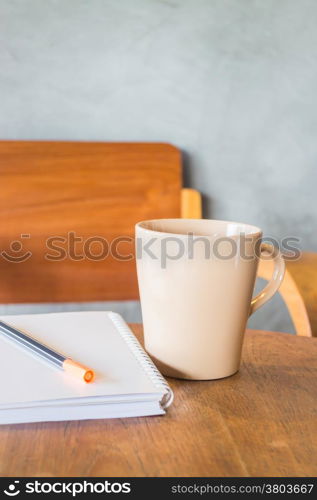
<point>144,360</point>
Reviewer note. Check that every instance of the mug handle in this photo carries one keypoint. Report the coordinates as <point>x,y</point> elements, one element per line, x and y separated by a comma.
<point>276,280</point>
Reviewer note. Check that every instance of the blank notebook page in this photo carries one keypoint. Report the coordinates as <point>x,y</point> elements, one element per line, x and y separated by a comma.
<point>91,338</point>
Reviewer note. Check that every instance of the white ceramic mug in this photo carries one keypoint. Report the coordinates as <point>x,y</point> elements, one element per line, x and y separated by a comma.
<point>196,279</point>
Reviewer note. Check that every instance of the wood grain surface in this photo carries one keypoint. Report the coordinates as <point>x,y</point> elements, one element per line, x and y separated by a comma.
<point>52,189</point>
<point>260,422</point>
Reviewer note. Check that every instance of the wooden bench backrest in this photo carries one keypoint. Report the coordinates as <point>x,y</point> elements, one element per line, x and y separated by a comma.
<point>67,190</point>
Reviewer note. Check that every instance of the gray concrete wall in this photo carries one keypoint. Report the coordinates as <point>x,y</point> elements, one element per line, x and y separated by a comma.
<point>231,82</point>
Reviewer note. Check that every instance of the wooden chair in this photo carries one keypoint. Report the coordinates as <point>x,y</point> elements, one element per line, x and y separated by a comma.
<point>72,190</point>
<point>69,190</point>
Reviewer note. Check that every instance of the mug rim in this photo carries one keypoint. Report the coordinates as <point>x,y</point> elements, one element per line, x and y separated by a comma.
<point>251,229</point>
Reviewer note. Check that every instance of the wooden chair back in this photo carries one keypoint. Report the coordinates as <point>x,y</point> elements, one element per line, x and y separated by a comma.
<point>80,194</point>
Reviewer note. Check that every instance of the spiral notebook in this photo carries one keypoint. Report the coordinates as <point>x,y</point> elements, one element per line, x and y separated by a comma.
<point>127,382</point>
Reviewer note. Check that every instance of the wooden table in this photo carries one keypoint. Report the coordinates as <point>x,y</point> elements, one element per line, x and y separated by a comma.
<point>260,422</point>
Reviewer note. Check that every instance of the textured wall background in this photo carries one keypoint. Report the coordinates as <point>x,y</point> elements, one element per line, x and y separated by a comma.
<point>231,82</point>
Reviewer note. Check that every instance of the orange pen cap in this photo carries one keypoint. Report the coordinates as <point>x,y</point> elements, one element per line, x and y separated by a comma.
<point>79,371</point>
